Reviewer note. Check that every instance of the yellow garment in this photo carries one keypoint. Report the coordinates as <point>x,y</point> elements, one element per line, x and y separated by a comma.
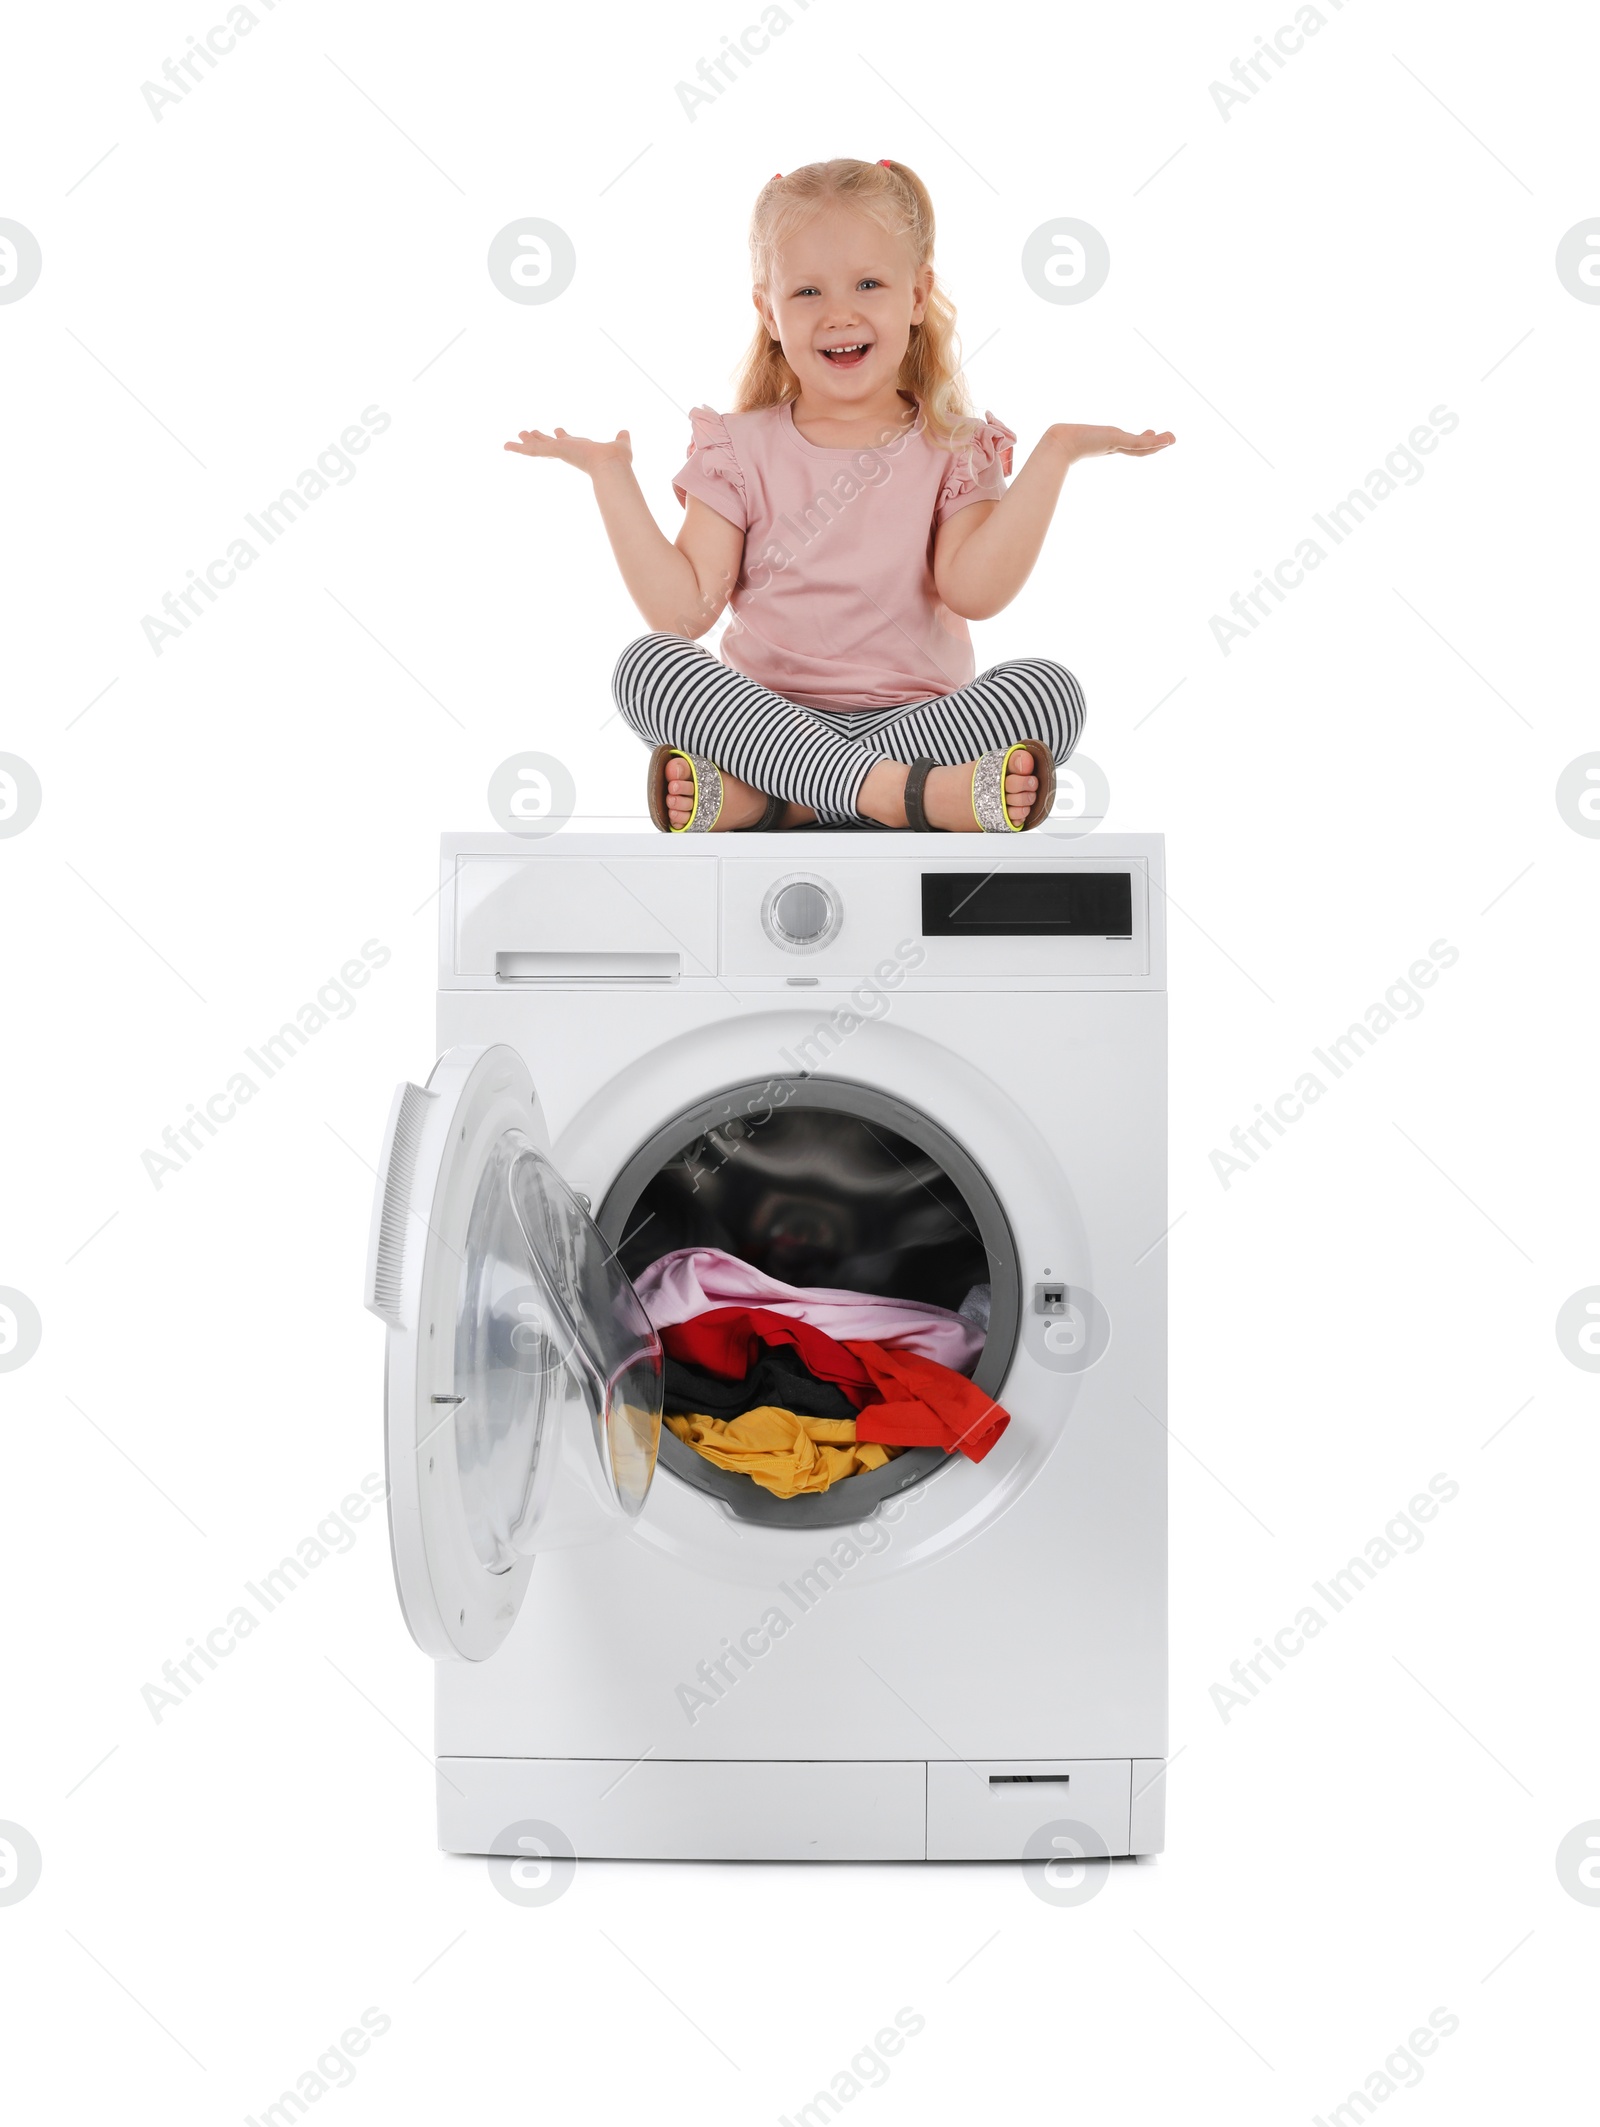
<point>784,1453</point>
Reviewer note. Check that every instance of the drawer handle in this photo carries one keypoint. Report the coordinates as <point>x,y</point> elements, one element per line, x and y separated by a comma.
<point>1028,1779</point>
<point>587,967</point>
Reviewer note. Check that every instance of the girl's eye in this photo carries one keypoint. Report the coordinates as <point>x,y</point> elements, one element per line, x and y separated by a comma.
<point>869,282</point>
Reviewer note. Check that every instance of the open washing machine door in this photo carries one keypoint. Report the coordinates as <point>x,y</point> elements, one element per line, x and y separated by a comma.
<point>523,1378</point>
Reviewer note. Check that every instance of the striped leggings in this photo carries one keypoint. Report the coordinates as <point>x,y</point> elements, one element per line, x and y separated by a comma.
<point>674,693</point>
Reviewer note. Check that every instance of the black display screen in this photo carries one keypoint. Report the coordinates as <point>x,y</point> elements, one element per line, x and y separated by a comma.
<point>1027,904</point>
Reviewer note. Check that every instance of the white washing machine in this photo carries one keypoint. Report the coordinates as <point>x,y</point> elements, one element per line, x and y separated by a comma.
<point>915,1064</point>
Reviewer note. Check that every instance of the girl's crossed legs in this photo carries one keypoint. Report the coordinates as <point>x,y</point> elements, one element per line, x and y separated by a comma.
<point>839,765</point>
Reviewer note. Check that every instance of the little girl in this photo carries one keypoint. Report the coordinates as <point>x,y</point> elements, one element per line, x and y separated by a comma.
<point>853,514</point>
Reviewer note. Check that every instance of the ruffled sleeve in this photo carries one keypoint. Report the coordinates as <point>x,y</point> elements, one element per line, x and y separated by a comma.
<point>980,465</point>
<point>712,470</point>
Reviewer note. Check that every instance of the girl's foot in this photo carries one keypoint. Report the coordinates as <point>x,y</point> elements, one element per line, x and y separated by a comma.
<point>946,796</point>
<point>742,803</point>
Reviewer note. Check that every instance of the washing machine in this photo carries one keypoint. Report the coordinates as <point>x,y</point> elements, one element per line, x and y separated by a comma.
<point>921,1065</point>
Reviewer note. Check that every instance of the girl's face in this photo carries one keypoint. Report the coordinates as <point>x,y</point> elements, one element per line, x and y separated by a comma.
<point>843,299</point>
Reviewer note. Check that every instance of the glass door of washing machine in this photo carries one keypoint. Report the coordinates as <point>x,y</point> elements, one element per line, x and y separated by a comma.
<point>523,1378</point>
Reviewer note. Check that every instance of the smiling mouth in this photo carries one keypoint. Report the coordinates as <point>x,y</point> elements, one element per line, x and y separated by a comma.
<point>847,357</point>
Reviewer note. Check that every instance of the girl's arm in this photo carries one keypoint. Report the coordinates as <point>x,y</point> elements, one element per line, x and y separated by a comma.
<point>984,554</point>
<point>679,588</point>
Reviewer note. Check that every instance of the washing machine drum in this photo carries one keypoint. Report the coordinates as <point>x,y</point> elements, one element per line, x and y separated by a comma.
<point>822,1182</point>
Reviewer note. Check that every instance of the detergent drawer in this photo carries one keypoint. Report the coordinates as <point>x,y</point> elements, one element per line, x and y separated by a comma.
<point>565,922</point>
<point>988,1811</point>
<point>614,1809</point>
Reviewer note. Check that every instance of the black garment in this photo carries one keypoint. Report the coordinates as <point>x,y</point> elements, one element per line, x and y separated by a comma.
<point>780,1376</point>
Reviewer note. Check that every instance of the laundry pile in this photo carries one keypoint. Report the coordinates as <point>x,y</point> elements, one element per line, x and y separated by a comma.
<point>799,1386</point>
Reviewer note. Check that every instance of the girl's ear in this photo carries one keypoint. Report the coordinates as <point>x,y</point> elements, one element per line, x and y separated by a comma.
<point>764,312</point>
<point>921,289</point>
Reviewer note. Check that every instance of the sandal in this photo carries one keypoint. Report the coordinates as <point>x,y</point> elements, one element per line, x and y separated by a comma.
<point>988,790</point>
<point>707,795</point>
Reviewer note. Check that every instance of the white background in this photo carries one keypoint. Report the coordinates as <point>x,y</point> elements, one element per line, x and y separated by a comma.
<point>302,236</point>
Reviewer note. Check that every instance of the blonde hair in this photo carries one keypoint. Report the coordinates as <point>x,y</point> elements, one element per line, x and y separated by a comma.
<point>897,199</point>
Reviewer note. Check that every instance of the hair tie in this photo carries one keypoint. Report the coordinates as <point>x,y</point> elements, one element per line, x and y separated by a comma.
<point>776,175</point>
<point>884,163</point>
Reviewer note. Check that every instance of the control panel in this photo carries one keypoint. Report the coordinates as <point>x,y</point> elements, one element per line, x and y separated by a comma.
<point>824,912</point>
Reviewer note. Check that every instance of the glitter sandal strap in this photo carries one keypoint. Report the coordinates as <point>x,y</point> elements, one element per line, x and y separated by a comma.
<point>707,791</point>
<point>989,788</point>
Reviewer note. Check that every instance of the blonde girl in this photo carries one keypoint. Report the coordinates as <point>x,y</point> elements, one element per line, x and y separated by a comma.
<point>852,515</point>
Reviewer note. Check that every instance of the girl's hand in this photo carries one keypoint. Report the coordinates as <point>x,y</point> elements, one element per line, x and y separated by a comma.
<point>1081,442</point>
<point>584,452</point>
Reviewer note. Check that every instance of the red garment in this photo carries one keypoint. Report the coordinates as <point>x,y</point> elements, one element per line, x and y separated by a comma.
<point>905,1401</point>
<point>726,1340</point>
<point>926,1405</point>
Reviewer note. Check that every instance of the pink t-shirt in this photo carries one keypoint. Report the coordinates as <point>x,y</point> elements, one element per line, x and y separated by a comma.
<point>835,607</point>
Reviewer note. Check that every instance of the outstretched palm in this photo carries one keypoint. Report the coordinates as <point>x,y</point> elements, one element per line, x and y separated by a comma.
<point>1086,442</point>
<point>585,452</point>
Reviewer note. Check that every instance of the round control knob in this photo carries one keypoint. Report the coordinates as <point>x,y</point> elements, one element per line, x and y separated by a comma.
<point>800,913</point>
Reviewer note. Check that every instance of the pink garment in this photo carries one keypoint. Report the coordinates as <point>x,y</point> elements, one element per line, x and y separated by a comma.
<point>835,607</point>
<point>691,1281</point>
